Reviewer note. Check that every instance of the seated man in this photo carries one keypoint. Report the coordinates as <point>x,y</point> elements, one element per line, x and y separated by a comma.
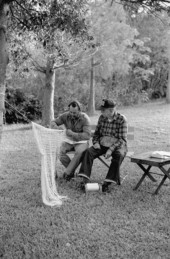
<point>78,128</point>
<point>110,138</point>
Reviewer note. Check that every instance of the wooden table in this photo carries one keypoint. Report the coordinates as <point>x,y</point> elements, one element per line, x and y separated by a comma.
<point>146,162</point>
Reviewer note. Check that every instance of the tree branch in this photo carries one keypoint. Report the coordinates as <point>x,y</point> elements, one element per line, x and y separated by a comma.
<point>71,64</point>
<point>38,70</point>
<point>36,65</point>
<point>23,7</point>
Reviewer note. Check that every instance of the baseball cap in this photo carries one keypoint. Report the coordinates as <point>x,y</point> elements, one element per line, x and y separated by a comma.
<point>106,103</point>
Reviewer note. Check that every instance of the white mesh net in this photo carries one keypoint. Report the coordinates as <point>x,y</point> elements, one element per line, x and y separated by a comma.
<point>49,141</point>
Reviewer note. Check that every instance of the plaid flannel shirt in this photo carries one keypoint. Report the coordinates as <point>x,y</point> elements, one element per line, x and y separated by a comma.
<point>116,128</point>
<point>80,126</point>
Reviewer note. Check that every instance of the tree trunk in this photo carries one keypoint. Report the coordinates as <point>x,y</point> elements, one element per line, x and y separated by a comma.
<point>48,94</point>
<point>3,60</point>
<point>91,103</point>
<point>168,88</point>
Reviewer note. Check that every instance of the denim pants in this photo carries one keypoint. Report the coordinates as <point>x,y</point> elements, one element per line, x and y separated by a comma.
<point>72,164</point>
<point>113,174</point>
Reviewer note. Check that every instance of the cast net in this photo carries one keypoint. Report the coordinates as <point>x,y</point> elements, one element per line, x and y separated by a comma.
<point>48,142</point>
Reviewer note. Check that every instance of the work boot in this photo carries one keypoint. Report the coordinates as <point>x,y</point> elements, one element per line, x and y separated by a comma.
<point>83,183</point>
<point>105,187</point>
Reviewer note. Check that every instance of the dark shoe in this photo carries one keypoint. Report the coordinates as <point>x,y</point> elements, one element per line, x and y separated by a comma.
<point>105,187</point>
<point>83,183</point>
<point>82,186</point>
<point>68,177</point>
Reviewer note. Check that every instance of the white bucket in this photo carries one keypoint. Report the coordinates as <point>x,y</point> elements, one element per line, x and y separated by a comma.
<point>92,187</point>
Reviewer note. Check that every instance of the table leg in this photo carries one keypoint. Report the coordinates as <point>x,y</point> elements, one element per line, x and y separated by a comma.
<point>161,183</point>
<point>146,173</point>
<point>146,170</point>
<point>166,172</point>
<point>166,175</point>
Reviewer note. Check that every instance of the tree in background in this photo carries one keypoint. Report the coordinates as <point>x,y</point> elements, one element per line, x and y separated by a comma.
<point>154,26</point>
<point>42,19</point>
<point>4,13</point>
<point>53,44</point>
<point>117,44</point>
<point>112,37</point>
<point>147,70</point>
<point>33,15</point>
<point>167,47</point>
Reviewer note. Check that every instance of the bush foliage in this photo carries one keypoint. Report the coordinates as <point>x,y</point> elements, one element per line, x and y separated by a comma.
<point>21,108</point>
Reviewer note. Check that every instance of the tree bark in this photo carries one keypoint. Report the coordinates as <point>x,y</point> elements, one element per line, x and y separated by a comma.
<point>48,94</point>
<point>168,88</point>
<point>91,103</point>
<point>3,60</point>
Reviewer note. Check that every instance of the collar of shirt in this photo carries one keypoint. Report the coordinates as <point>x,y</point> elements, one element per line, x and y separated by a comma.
<point>114,117</point>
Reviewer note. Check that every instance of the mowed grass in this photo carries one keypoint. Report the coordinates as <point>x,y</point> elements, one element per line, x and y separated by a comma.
<point>121,224</point>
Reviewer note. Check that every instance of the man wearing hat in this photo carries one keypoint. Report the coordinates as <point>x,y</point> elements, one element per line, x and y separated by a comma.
<point>110,140</point>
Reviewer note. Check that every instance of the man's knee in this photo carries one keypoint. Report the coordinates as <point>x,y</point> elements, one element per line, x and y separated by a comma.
<point>120,152</point>
<point>80,153</point>
<point>118,156</point>
<point>81,150</point>
<point>90,152</point>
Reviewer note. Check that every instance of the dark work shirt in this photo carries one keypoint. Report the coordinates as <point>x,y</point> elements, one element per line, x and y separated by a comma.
<point>80,126</point>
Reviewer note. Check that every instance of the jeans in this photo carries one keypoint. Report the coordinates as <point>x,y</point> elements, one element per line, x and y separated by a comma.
<point>113,174</point>
<point>71,165</point>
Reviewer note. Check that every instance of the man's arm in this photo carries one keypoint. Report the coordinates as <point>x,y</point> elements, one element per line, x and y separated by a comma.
<point>86,133</point>
<point>59,120</point>
<point>96,136</point>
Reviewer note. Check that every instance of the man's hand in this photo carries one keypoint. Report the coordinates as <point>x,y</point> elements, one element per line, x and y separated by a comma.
<point>96,146</point>
<point>69,132</point>
<point>108,154</point>
<point>53,125</point>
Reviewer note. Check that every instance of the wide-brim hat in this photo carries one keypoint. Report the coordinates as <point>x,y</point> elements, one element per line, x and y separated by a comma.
<point>106,104</point>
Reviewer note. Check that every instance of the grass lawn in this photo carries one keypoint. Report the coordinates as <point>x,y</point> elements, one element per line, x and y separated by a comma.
<point>121,224</point>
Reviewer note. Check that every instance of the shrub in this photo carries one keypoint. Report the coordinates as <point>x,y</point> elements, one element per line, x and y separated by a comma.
<point>20,108</point>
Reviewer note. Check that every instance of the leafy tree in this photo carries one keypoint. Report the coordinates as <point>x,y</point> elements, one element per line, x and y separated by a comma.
<point>4,12</point>
<point>147,5</point>
<point>55,44</point>
<point>167,52</point>
<point>35,16</point>
<point>118,46</point>
<point>155,27</point>
<point>40,20</point>
<point>20,107</point>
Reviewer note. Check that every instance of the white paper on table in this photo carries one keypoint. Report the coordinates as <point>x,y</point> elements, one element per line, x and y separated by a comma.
<point>160,154</point>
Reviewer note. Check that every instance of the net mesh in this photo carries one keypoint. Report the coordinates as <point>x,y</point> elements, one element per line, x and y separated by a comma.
<point>48,142</point>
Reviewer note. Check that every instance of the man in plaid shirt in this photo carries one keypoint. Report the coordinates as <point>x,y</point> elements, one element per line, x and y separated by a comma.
<point>109,139</point>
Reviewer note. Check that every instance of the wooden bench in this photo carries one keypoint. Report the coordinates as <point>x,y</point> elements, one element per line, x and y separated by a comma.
<point>106,162</point>
<point>130,137</point>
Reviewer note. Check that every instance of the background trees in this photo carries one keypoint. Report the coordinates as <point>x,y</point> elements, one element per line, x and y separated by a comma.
<point>51,41</point>
<point>50,35</point>
<point>41,22</point>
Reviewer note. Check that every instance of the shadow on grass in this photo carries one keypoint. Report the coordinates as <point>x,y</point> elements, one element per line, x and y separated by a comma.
<point>17,127</point>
